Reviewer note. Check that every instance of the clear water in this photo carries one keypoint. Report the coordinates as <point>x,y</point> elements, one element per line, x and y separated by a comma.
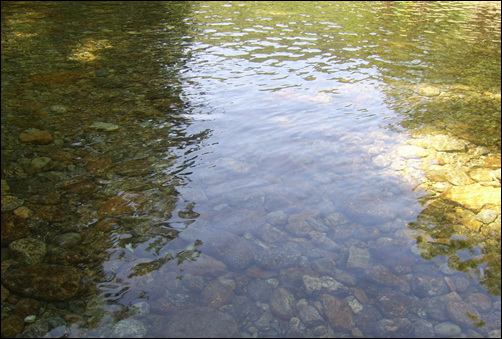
<point>258,147</point>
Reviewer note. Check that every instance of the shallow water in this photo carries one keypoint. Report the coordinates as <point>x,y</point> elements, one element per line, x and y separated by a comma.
<point>263,169</point>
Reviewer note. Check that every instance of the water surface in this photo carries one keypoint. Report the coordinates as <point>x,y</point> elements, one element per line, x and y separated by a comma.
<point>254,169</point>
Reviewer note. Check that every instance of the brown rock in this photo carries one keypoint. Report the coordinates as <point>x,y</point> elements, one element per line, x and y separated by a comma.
<point>13,228</point>
<point>11,326</point>
<point>339,314</point>
<point>37,137</point>
<point>45,282</point>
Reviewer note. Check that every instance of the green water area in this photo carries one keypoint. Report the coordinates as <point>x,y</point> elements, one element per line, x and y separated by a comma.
<point>251,169</point>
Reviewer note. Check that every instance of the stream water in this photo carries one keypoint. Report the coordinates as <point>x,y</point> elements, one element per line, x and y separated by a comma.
<point>251,169</point>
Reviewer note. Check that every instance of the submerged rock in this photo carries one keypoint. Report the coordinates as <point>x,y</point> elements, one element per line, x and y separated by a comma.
<point>200,322</point>
<point>45,282</point>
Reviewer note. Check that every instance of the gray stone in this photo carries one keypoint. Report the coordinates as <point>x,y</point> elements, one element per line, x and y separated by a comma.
<point>129,328</point>
<point>260,290</point>
<point>310,317</point>
<point>358,257</point>
<point>462,313</point>
<point>447,330</point>
<point>427,286</point>
<point>278,257</point>
<point>277,218</point>
<point>423,329</point>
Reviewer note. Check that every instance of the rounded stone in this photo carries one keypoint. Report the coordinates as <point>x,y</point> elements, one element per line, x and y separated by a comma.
<point>283,303</point>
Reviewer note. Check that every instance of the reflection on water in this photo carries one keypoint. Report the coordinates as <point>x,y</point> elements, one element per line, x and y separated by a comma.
<point>303,169</point>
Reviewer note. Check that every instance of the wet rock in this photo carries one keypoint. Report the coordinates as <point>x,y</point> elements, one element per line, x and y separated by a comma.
<point>367,318</point>
<point>37,137</point>
<point>45,282</point>
<point>10,203</point>
<point>445,143</point>
<point>245,310</point>
<point>204,264</point>
<point>381,161</point>
<point>298,223</point>
<point>447,330</point>
<point>336,219</point>
<point>26,307</point>
<point>481,174</point>
<point>278,257</point>
<point>13,228</point>
<point>480,301</point>
<point>473,196</point>
<point>383,275</point>
<point>196,322</point>
<point>423,329</point>
<point>260,290</point>
<point>487,216</point>
<point>28,251</point>
<point>231,249</point>
<point>462,313</point>
<point>104,126</point>
<point>67,240</point>
<point>11,326</point>
<point>394,304</point>
<point>271,234</point>
<point>427,90</point>
<point>216,295</point>
<point>129,328</point>
<point>38,164</point>
<point>410,151</point>
<point>369,211</point>
<point>277,218</point>
<point>393,328</point>
<point>427,286</point>
<point>458,177</point>
<point>358,257</point>
<point>126,203</point>
<point>323,265</point>
<point>310,317</point>
<point>283,304</point>
<point>312,284</point>
<point>339,314</point>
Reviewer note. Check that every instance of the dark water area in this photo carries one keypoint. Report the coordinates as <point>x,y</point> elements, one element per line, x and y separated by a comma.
<point>251,169</point>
